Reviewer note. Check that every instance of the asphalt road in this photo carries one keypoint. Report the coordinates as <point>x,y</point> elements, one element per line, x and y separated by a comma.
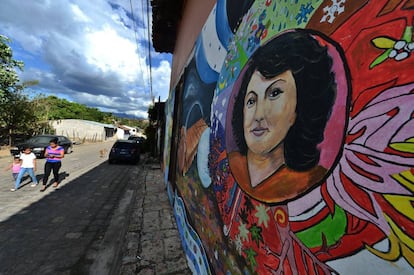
<point>54,232</point>
<point>83,158</point>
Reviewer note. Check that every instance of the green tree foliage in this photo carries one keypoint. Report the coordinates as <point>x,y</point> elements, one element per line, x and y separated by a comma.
<point>52,107</point>
<point>8,66</point>
<point>151,130</point>
<point>17,114</point>
<point>156,115</point>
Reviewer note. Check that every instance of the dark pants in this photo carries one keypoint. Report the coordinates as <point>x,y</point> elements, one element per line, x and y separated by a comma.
<point>51,166</point>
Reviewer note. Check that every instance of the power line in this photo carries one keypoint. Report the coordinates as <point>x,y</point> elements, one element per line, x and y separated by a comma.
<point>149,48</point>
<point>146,32</point>
<point>136,41</point>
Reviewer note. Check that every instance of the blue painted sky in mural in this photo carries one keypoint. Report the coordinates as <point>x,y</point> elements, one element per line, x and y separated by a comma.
<point>87,52</point>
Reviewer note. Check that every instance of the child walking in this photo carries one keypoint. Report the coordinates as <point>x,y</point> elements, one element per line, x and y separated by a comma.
<point>28,164</point>
<point>14,167</point>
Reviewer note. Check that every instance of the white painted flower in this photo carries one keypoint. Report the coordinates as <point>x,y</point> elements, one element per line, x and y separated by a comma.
<point>401,50</point>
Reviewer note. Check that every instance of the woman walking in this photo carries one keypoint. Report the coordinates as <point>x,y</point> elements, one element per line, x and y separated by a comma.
<point>53,154</point>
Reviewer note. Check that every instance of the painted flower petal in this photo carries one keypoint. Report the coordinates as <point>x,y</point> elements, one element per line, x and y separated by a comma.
<point>379,172</point>
<point>383,42</point>
<point>403,146</point>
<point>393,54</point>
<point>401,56</point>
<point>410,46</point>
<point>400,44</point>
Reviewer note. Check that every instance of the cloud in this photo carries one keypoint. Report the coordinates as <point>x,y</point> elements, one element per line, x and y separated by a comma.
<point>161,82</point>
<point>87,51</point>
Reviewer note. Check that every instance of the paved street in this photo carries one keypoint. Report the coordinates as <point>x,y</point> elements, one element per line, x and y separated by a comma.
<point>103,219</point>
<point>82,159</point>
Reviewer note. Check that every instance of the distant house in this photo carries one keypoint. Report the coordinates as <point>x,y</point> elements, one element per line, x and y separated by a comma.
<point>124,131</point>
<point>83,130</point>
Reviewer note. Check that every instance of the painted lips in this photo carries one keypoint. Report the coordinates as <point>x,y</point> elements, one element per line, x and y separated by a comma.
<point>259,131</point>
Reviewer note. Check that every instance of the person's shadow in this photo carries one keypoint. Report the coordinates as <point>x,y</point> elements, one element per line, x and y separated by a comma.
<point>62,175</point>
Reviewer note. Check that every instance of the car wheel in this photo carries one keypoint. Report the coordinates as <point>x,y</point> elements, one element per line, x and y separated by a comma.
<point>68,150</point>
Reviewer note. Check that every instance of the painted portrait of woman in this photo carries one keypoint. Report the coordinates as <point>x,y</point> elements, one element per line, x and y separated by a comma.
<point>285,99</point>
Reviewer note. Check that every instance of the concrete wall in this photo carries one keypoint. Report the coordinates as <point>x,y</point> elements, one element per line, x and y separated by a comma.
<point>80,130</point>
<point>290,142</point>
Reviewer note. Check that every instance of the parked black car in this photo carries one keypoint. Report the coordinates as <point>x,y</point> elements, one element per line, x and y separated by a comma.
<point>125,150</point>
<point>141,141</point>
<point>137,139</point>
<point>39,144</point>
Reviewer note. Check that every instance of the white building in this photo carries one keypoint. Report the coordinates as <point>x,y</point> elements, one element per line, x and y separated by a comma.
<point>124,131</point>
<point>83,130</point>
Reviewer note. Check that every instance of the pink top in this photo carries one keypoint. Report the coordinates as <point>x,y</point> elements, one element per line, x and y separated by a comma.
<point>16,168</point>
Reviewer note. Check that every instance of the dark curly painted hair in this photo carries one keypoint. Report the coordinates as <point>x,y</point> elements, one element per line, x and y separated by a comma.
<point>311,67</point>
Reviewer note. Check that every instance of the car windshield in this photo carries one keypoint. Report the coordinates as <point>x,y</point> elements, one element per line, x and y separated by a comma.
<point>139,139</point>
<point>41,139</point>
<point>123,145</point>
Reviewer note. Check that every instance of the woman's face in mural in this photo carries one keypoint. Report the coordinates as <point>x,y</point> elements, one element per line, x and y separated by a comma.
<point>269,111</point>
<point>283,100</point>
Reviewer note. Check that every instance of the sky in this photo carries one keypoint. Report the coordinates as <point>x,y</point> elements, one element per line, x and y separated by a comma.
<point>90,52</point>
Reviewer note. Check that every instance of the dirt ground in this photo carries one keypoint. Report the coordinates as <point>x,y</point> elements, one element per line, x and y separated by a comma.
<point>4,151</point>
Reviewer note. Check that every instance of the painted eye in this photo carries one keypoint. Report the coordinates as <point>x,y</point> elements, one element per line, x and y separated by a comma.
<point>250,102</point>
<point>274,93</point>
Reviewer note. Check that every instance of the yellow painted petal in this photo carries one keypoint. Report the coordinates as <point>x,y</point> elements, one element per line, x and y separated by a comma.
<point>407,147</point>
<point>400,244</point>
<point>404,204</point>
<point>409,176</point>
<point>401,235</point>
<point>391,255</point>
<point>222,85</point>
<point>405,178</point>
<point>383,42</point>
<point>408,254</point>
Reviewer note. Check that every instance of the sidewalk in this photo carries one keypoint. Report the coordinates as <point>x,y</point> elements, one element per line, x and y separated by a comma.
<point>152,242</point>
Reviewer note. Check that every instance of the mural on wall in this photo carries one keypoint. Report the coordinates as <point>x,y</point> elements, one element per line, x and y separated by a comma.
<point>169,110</point>
<point>296,151</point>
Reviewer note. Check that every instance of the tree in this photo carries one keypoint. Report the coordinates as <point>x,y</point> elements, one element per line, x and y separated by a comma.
<point>154,131</point>
<point>8,66</point>
<point>17,114</point>
<point>52,107</point>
